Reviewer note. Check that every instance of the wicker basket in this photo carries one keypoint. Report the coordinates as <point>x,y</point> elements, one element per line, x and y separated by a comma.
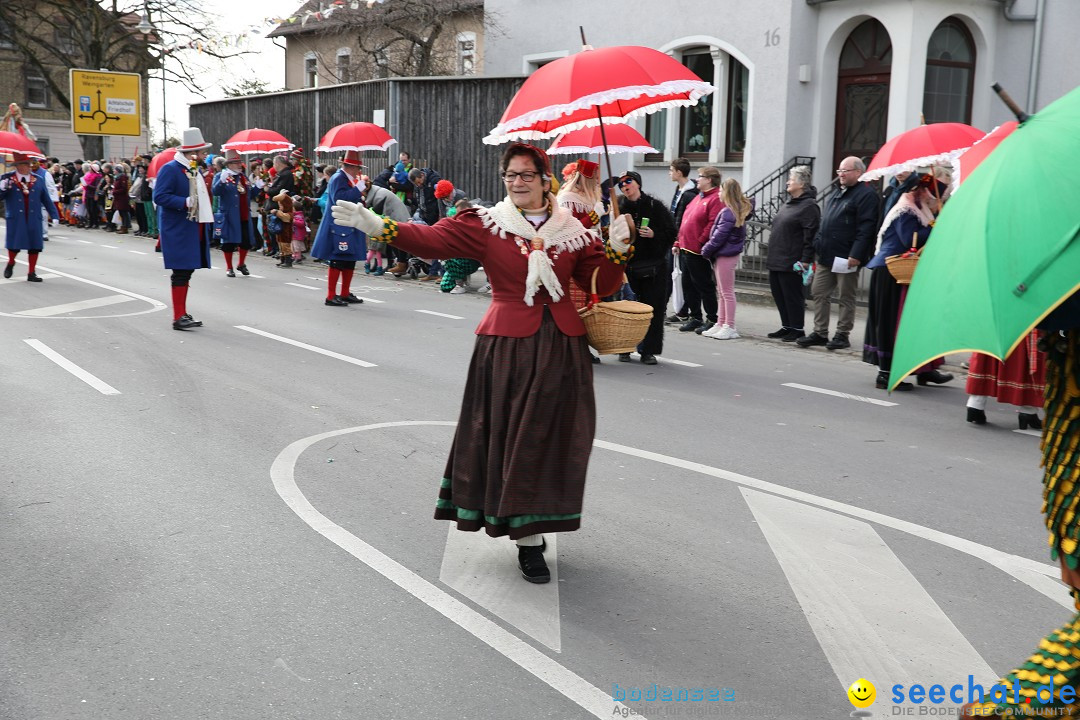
<point>902,268</point>
<point>615,327</point>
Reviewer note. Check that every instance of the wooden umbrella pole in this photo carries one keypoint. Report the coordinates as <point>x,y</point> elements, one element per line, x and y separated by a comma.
<point>607,159</point>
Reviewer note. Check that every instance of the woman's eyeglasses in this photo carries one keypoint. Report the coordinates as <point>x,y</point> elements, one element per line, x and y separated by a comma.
<point>511,177</point>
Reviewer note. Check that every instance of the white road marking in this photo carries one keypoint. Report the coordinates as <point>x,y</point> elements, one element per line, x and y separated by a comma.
<point>111,247</point>
<point>138,252</point>
<point>445,315</point>
<point>308,287</point>
<point>101,386</point>
<point>76,306</point>
<point>835,393</point>
<point>681,362</point>
<point>871,616</point>
<point>9,281</point>
<point>1032,433</point>
<point>594,700</point>
<point>86,242</point>
<point>1041,577</point>
<point>311,277</point>
<point>155,305</point>
<point>261,277</point>
<point>305,346</point>
<point>370,299</point>
<point>486,572</point>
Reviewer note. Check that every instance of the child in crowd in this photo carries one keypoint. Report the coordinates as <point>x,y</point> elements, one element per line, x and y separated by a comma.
<point>300,230</point>
<point>284,213</point>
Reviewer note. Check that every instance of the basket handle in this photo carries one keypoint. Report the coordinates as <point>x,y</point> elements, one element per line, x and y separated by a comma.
<point>593,297</point>
<point>914,240</point>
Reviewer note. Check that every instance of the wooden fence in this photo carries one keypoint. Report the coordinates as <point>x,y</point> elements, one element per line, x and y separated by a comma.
<point>441,121</point>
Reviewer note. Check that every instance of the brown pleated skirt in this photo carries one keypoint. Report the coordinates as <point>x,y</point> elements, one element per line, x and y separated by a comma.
<point>521,450</point>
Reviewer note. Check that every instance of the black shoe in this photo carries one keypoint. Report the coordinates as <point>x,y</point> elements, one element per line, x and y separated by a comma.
<point>8,269</point>
<point>196,323</point>
<point>1029,420</point>
<point>647,359</point>
<point>624,357</point>
<point>230,273</point>
<point>675,319</point>
<point>977,416</point>
<point>243,269</point>
<point>811,340</point>
<point>532,564</point>
<point>779,333</point>
<point>707,326</point>
<point>839,342</point>
<point>934,376</point>
<point>691,324</point>
<point>595,359</point>
<point>351,299</point>
<point>903,387</point>
<point>32,277</point>
<point>157,249</point>
<point>335,302</point>
<point>882,381</point>
<point>793,335</point>
<point>184,322</point>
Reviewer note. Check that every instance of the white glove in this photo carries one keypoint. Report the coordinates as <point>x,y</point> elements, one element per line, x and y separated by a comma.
<point>189,201</point>
<point>619,233</point>
<point>4,185</point>
<point>357,216</point>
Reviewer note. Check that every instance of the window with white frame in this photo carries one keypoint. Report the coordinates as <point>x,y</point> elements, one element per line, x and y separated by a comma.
<point>65,40</point>
<point>344,65</point>
<point>720,117</point>
<point>43,145</point>
<point>311,70</point>
<point>37,92</point>
<point>466,53</point>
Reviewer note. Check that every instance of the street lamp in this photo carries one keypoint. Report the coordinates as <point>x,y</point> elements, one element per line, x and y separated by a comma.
<point>146,28</point>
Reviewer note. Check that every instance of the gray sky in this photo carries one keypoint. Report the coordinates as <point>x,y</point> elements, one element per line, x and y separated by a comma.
<point>267,62</point>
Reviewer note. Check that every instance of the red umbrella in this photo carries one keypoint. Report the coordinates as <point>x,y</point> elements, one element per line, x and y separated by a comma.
<point>970,158</point>
<point>357,136</point>
<point>925,146</point>
<point>607,85</point>
<point>620,139</point>
<point>11,143</point>
<point>159,160</point>
<point>257,140</point>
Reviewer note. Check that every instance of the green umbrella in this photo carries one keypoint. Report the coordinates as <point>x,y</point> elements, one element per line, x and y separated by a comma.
<point>1004,251</point>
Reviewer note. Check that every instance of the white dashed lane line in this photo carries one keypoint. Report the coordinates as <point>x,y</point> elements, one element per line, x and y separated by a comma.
<point>439,314</point>
<point>305,346</point>
<point>835,393</point>
<point>101,386</point>
<point>138,252</point>
<point>308,287</point>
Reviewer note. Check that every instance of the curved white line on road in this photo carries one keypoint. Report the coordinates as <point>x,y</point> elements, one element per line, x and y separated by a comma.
<point>1038,576</point>
<point>155,304</point>
<point>568,683</point>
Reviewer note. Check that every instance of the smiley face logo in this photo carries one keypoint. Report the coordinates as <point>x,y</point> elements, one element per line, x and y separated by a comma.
<point>862,693</point>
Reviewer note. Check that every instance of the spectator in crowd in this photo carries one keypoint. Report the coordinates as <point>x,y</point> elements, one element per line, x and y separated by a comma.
<point>427,204</point>
<point>726,242</point>
<point>138,184</point>
<point>685,191</point>
<point>282,181</point>
<point>698,283</point>
<point>386,203</point>
<point>647,271</point>
<point>89,184</point>
<point>847,232</point>
<point>121,198</point>
<point>791,252</point>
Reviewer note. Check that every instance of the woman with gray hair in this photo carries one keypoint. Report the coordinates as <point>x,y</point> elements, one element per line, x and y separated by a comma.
<point>791,251</point>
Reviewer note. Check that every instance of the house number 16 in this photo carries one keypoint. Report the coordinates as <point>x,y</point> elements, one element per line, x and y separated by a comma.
<point>772,37</point>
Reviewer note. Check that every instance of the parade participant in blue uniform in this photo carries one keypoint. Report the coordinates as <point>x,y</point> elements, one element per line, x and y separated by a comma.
<point>184,212</point>
<point>25,196</point>
<point>342,245</point>
<point>231,186</point>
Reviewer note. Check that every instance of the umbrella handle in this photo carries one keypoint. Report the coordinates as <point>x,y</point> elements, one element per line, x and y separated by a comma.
<point>1010,103</point>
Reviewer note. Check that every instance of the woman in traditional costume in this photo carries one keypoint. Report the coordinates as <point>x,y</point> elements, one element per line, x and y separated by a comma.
<point>1018,381</point>
<point>528,417</point>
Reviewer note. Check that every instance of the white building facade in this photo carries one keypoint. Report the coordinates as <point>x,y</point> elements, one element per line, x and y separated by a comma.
<point>815,78</point>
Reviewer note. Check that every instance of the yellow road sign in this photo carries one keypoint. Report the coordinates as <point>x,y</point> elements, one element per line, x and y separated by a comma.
<point>106,103</point>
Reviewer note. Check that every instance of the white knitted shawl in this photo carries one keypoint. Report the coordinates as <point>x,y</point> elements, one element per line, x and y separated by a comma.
<point>561,233</point>
<point>905,205</point>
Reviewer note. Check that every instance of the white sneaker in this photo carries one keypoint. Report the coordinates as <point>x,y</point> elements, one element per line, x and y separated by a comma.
<point>713,331</point>
<point>726,333</point>
<point>458,290</point>
<point>485,289</point>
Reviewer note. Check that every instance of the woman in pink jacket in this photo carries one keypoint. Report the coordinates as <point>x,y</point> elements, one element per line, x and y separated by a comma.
<point>699,285</point>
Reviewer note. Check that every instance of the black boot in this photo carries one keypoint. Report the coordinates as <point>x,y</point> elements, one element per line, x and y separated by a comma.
<point>8,269</point>
<point>1029,420</point>
<point>934,376</point>
<point>532,564</point>
<point>976,416</point>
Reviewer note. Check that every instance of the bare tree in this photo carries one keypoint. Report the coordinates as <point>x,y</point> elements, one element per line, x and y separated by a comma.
<point>409,37</point>
<point>55,35</point>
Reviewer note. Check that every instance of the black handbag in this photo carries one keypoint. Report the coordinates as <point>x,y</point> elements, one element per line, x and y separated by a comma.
<point>644,272</point>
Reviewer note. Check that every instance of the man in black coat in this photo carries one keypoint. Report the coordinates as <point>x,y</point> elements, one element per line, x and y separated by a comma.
<point>648,271</point>
<point>848,231</point>
<point>424,181</point>
<point>283,181</point>
<point>685,191</point>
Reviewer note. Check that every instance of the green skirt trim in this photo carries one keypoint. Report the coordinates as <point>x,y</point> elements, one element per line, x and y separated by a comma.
<point>512,521</point>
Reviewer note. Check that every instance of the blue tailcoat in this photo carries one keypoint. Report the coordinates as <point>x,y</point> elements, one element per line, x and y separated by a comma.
<point>339,242</point>
<point>229,206</point>
<point>24,228</point>
<point>183,242</point>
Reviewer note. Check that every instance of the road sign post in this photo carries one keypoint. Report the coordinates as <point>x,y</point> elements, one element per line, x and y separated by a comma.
<point>106,103</point>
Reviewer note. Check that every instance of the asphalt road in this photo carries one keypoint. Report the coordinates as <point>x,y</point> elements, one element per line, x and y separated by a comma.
<point>223,524</point>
